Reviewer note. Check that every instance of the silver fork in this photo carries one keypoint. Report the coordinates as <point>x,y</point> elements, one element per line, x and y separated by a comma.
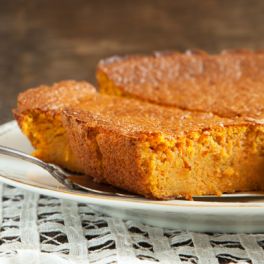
<point>65,177</point>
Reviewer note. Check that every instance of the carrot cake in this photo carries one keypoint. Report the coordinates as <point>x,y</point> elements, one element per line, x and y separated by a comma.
<point>38,114</point>
<point>157,151</point>
<point>227,84</point>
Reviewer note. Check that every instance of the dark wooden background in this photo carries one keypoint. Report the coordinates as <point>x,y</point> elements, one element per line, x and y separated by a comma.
<point>46,41</point>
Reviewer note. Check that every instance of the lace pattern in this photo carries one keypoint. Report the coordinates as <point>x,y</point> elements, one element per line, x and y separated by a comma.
<point>72,232</point>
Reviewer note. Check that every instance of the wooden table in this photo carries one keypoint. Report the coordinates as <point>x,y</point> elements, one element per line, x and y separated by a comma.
<point>47,41</point>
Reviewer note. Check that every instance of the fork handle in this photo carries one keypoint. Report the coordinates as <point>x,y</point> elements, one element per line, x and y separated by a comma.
<point>22,155</point>
<point>55,172</point>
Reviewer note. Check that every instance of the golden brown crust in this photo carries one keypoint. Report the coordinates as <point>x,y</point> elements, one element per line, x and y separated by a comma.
<point>54,97</point>
<point>228,84</point>
<point>133,118</point>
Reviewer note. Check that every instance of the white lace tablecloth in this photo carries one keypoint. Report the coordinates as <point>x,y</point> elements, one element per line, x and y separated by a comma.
<point>40,229</point>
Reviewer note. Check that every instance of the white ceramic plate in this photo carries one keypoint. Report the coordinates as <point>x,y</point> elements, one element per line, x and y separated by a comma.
<point>243,215</point>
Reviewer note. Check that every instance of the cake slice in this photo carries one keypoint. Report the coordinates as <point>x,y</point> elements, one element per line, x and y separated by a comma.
<point>38,114</point>
<point>227,84</point>
<point>156,151</point>
<point>164,152</point>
